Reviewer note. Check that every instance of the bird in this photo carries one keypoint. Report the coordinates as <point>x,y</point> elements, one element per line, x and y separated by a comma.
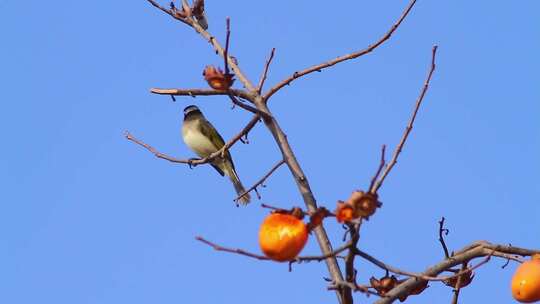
<point>203,139</point>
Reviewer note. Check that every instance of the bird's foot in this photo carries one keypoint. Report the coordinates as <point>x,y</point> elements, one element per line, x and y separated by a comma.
<point>190,162</point>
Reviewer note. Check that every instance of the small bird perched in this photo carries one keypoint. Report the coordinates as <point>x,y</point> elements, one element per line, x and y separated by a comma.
<point>201,137</point>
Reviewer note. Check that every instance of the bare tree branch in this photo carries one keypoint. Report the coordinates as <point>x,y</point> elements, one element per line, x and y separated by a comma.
<point>202,92</point>
<point>298,259</point>
<point>345,296</point>
<point>226,51</point>
<point>320,67</point>
<point>409,127</point>
<point>248,108</point>
<point>458,285</point>
<point>244,106</point>
<point>350,272</point>
<point>213,41</point>
<point>162,155</point>
<point>230,61</point>
<point>319,258</point>
<point>262,180</point>
<point>169,12</point>
<point>344,287</point>
<point>265,72</point>
<point>231,250</point>
<point>197,161</point>
<point>381,166</point>
<point>417,275</point>
<point>344,293</point>
<point>475,250</point>
<point>444,231</point>
<point>352,286</point>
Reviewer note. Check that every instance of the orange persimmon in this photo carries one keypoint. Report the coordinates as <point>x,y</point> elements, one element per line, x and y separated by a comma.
<point>526,281</point>
<point>282,236</point>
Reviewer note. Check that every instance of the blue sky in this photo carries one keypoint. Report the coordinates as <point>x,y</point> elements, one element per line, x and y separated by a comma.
<point>88,217</point>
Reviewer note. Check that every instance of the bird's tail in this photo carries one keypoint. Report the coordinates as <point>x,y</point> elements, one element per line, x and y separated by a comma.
<point>243,197</point>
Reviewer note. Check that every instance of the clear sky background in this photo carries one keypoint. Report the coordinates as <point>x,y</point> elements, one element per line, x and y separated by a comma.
<point>88,217</point>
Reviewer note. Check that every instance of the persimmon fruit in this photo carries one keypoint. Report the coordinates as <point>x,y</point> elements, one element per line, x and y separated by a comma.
<point>526,281</point>
<point>282,236</point>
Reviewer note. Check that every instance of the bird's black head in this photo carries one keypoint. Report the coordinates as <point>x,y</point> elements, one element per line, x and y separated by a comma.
<point>191,110</point>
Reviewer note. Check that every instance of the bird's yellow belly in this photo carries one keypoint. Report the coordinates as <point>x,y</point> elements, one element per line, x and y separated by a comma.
<point>199,143</point>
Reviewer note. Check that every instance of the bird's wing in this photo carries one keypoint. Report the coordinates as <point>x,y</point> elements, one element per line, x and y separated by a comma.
<point>208,130</point>
<point>218,169</point>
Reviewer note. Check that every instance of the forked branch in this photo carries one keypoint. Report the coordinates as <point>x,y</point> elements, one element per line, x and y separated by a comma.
<point>265,71</point>
<point>320,67</point>
<point>202,92</point>
<point>409,127</point>
<point>173,12</point>
<point>197,161</point>
<point>475,250</point>
<point>299,259</point>
<point>262,180</point>
<point>344,292</point>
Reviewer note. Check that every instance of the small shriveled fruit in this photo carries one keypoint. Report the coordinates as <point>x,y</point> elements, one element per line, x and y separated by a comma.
<point>217,79</point>
<point>282,236</point>
<point>364,203</point>
<point>466,279</point>
<point>344,212</point>
<point>526,281</point>
<point>384,284</point>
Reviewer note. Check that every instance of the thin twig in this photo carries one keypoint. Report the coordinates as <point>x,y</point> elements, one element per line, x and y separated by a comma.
<point>508,257</point>
<point>202,92</point>
<point>231,250</point>
<point>226,51</point>
<point>421,276</point>
<point>457,288</point>
<point>254,120</point>
<point>409,127</point>
<point>262,180</point>
<point>320,67</point>
<point>319,258</point>
<point>231,63</point>
<point>350,272</point>
<point>162,155</point>
<point>197,161</point>
<point>302,180</point>
<point>299,259</point>
<point>263,205</point>
<point>169,12</point>
<point>265,71</point>
<point>344,294</point>
<point>379,170</point>
<point>244,106</point>
<point>310,213</point>
<point>154,3</point>
<point>247,107</point>
<point>475,250</point>
<point>444,231</point>
<point>353,286</point>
